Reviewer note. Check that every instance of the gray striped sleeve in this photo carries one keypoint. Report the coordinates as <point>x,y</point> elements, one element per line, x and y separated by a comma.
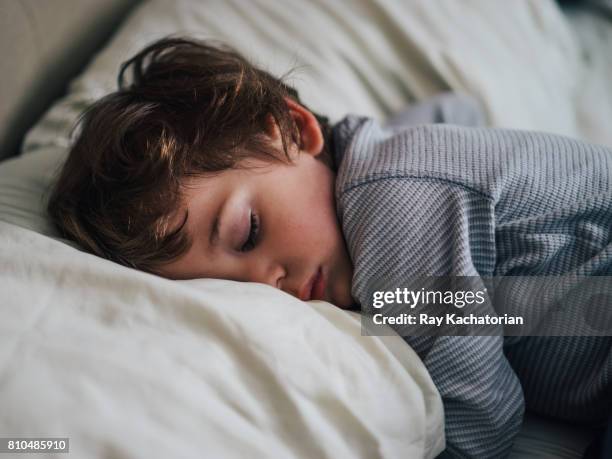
<point>400,226</point>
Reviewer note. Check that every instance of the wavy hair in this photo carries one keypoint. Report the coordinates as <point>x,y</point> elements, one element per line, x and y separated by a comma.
<point>190,108</point>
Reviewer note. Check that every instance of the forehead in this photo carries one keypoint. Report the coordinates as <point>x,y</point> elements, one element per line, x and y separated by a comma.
<point>213,183</point>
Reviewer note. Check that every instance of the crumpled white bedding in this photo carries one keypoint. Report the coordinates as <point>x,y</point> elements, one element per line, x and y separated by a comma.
<point>594,104</point>
<point>521,59</point>
<point>131,365</point>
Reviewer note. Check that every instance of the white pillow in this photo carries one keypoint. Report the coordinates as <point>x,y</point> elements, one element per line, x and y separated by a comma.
<point>519,58</point>
<point>24,185</point>
<point>128,364</point>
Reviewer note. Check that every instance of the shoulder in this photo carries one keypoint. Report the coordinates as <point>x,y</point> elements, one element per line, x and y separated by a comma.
<point>368,151</point>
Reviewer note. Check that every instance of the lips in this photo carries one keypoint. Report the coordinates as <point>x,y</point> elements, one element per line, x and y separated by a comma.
<point>314,288</point>
<point>318,287</point>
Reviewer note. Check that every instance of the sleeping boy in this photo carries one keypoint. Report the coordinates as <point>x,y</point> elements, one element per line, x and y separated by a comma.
<point>206,166</point>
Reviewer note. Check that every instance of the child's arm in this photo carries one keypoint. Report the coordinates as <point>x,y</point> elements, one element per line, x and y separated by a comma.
<point>444,200</point>
<point>397,227</point>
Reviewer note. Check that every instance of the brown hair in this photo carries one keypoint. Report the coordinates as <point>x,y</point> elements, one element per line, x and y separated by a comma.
<point>191,109</point>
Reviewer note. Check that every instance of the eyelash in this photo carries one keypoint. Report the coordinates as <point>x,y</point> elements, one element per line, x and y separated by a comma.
<point>253,233</point>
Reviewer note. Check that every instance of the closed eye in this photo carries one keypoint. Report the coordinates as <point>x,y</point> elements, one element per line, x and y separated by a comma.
<point>251,240</point>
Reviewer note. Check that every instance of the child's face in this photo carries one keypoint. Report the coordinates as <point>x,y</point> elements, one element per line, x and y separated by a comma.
<point>272,223</point>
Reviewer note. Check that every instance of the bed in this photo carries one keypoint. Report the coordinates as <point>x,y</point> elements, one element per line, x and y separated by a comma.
<point>129,365</point>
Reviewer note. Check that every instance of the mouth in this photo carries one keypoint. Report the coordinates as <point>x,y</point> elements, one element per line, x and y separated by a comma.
<point>314,288</point>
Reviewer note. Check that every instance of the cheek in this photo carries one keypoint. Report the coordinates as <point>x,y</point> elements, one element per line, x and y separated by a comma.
<point>305,217</point>
<point>306,229</point>
<point>320,230</point>
<point>323,225</point>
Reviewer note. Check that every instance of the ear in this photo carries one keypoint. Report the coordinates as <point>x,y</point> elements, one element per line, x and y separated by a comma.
<point>311,137</point>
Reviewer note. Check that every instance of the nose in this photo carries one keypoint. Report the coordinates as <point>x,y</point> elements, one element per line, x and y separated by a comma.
<point>270,272</point>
